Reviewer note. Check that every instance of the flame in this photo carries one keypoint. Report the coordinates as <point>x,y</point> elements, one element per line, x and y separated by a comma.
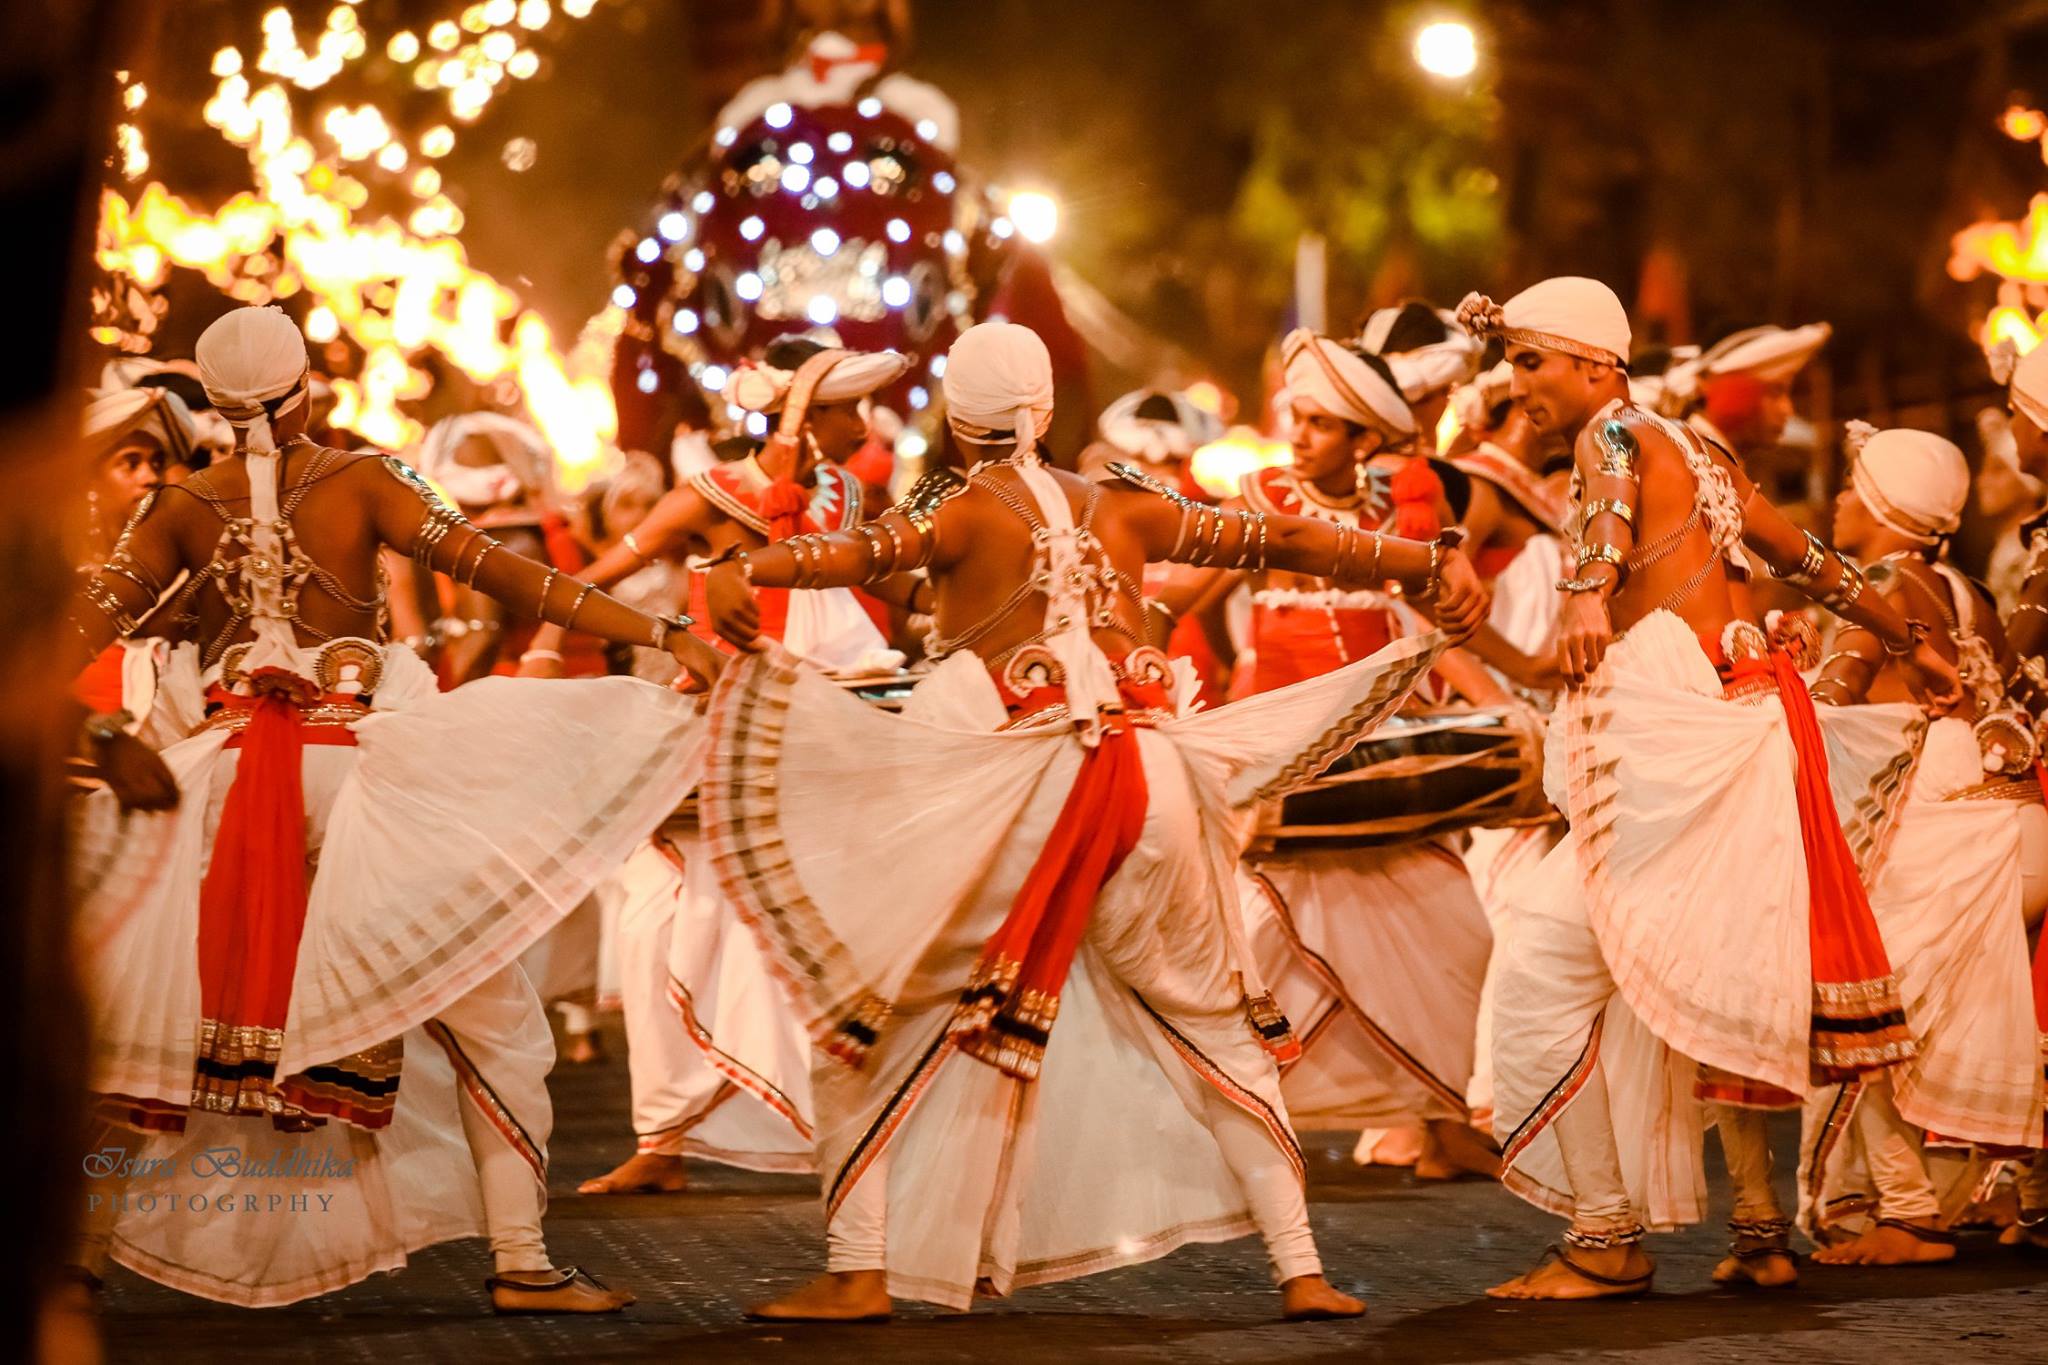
<point>1220,466</point>
<point>394,289</point>
<point>2016,252</point>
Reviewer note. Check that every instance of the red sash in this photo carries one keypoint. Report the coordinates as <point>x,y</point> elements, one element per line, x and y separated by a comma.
<point>252,902</point>
<point>1859,1021</point>
<point>1006,1012</point>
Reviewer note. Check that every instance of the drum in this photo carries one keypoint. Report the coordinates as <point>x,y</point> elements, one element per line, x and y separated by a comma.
<point>1418,776</point>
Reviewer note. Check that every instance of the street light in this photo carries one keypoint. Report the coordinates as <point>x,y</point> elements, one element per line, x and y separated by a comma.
<point>1447,48</point>
<point>1036,215</point>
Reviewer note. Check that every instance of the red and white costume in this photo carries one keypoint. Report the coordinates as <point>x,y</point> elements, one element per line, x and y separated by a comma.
<point>719,1060</point>
<point>1376,954</point>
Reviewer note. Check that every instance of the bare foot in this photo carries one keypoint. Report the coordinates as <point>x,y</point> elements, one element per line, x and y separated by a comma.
<point>2026,1236</point>
<point>1765,1270</point>
<point>1388,1147</point>
<point>584,1049</point>
<point>2000,1211</point>
<point>1452,1151</point>
<point>836,1296</point>
<point>1889,1244</point>
<point>1310,1298</point>
<point>554,1291</point>
<point>1622,1272</point>
<point>641,1173</point>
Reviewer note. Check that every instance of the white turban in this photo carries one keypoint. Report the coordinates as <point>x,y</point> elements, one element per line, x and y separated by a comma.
<point>998,382</point>
<point>1567,313</point>
<point>525,464</point>
<point>854,374</point>
<point>248,358</point>
<point>1423,370</point>
<point>1337,382</point>
<point>1157,439</point>
<point>1913,482</point>
<point>2026,379</point>
<point>1772,354</point>
<point>112,414</point>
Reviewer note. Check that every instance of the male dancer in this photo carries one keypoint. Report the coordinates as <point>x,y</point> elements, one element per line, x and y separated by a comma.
<point>1056,844</point>
<point>1694,793</point>
<point>1965,870</point>
<point>352,867</point>
<point>719,1063</point>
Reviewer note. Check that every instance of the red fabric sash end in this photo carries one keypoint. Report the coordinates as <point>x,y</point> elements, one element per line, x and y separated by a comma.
<point>1006,1012</point>
<point>1270,1024</point>
<point>1859,1020</point>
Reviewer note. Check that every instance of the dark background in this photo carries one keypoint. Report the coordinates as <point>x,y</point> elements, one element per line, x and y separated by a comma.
<point>1720,164</point>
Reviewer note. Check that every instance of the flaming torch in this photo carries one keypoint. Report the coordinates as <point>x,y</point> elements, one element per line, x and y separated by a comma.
<point>2015,252</point>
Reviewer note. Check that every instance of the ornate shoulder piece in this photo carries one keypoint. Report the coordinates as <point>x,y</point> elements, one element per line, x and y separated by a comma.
<point>932,490</point>
<point>1619,450</point>
<point>406,474</point>
<point>1138,478</point>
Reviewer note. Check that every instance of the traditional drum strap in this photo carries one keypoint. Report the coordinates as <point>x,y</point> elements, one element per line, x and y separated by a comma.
<point>1006,1013</point>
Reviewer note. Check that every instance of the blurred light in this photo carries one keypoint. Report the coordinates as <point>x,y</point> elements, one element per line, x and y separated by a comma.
<point>825,187</point>
<point>824,241</point>
<point>403,47</point>
<point>918,398</point>
<point>747,286</point>
<point>673,225</point>
<point>577,9</point>
<point>955,243</point>
<point>869,107</point>
<point>1002,227</point>
<point>840,142</point>
<point>648,382</point>
<point>624,296</point>
<point>727,136</point>
<point>426,182</point>
<point>796,179</point>
<point>1206,396</point>
<point>856,174</point>
<point>899,231</point>
<point>942,181</point>
<point>685,321</point>
<point>938,366</point>
<point>227,61</point>
<point>752,227</point>
<point>524,64</point>
<point>927,129</point>
<point>1221,466</point>
<point>778,115</point>
<point>649,251</point>
<point>499,46</point>
<point>1447,48</point>
<point>1036,215</point>
<point>519,154</point>
<point>443,36</point>
<point>392,157</point>
<point>911,444</point>
<point>895,291</point>
<point>693,260</point>
<point>321,324</point>
<point>757,424</point>
<point>534,14</point>
<point>713,378</point>
<point>822,310</point>
<point>801,153</point>
<point>438,140</point>
<point>703,202</point>
<point>134,95</point>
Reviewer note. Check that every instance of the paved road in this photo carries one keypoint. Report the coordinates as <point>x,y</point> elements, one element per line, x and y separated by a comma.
<point>1420,1256</point>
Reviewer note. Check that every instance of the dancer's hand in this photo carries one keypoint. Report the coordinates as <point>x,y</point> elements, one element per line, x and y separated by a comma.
<point>1933,679</point>
<point>701,663</point>
<point>1584,631</point>
<point>134,772</point>
<point>735,611</point>
<point>1461,600</point>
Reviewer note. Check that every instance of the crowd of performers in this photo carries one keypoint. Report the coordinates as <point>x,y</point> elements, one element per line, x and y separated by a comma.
<point>1505,778</point>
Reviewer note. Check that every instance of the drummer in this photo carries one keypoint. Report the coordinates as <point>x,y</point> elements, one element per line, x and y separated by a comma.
<point>797,482</point>
<point>1343,935</point>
